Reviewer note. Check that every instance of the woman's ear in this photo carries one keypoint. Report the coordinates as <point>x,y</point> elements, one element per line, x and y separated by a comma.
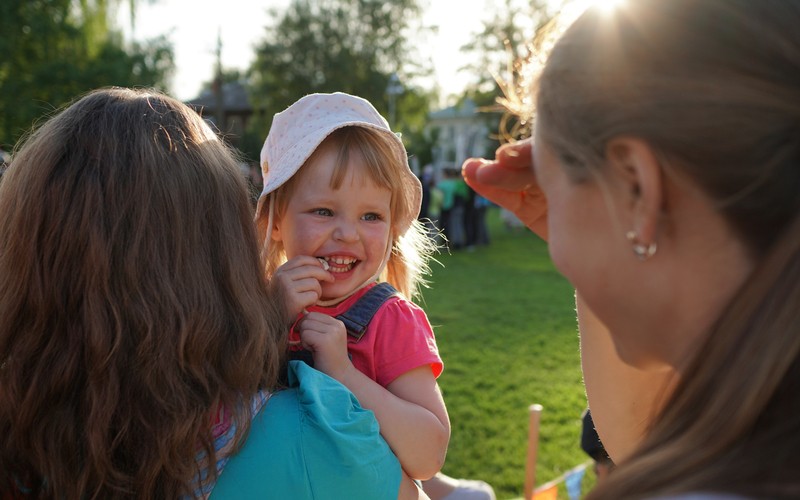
<point>638,172</point>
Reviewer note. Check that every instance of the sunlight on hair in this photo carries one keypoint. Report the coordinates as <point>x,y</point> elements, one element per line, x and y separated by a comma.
<point>518,81</point>
<point>607,5</point>
<point>577,7</point>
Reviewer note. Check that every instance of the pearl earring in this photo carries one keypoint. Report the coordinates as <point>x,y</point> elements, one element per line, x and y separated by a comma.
<point>642,251</point>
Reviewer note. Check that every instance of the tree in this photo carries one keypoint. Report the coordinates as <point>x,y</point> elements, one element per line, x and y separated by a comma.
<point>506,38</point>
<point>55,50</point>
<point>351,46</point>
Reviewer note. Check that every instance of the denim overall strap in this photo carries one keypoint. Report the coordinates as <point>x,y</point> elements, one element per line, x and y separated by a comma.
<point>360,314</point>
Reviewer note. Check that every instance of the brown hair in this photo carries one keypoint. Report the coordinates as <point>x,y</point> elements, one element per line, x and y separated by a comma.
<point>714,87</point>
<point>411,251</point>
<point>132,305</point>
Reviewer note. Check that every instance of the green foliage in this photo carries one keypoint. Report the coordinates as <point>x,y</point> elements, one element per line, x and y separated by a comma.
<point>501,51</point>
<point>351,46</point>
<point>505,38</point>
<point>55,50</point>
<point>505,325</point>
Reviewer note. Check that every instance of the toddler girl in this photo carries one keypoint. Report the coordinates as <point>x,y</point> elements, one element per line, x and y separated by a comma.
<point>338,214</point>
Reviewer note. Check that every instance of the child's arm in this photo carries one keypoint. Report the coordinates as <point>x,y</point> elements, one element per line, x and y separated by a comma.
<point>411,413</point>
<point>425,429</point>
<point>409,490</point>
<point>300,278</point>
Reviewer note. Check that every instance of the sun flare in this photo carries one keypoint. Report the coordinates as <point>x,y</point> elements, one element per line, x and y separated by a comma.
<point>603,5</point>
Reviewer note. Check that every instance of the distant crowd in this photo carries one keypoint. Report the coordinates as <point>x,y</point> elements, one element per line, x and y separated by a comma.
<point>453,211</point>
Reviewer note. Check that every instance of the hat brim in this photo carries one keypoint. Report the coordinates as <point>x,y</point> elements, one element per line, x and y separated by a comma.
<point>297,155</point>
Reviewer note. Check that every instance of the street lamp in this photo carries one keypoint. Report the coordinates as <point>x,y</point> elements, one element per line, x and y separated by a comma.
<point>393,89</point>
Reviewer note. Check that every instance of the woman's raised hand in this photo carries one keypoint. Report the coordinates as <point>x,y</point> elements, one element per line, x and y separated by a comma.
<point>509,181</point>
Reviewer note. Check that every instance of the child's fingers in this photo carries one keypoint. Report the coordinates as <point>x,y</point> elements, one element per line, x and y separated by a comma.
<point>305,284</point>
<point>301,277</point>
<point>304,266</point>
<point>300,261</point>
<point>317,328</point>
<point>301,300</point>
<point>327,276</point>
<point>319,322</point>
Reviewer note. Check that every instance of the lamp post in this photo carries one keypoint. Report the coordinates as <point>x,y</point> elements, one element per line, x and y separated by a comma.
<point>393,89</point>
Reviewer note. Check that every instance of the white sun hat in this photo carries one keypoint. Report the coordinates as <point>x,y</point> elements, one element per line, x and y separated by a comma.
<point>298,130</point>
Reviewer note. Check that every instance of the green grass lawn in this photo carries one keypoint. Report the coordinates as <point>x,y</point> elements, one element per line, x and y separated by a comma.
<point>505,325</point>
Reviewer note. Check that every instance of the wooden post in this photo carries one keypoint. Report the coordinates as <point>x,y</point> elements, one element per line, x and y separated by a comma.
<point>535,412</point>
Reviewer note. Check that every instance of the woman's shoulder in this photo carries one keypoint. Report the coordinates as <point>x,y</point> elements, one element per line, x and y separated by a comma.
<point>312,440</point>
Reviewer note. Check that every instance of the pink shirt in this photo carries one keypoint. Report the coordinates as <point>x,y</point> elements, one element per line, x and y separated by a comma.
<point>398,339</point>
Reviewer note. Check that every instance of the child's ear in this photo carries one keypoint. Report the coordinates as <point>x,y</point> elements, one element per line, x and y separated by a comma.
<point>276,232</point>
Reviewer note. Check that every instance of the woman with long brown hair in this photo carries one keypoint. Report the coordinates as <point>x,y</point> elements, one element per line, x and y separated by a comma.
<point>140,345</point>
<point>666,178</point>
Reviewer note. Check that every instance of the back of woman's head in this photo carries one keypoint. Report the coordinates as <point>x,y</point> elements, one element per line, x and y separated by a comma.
<point>713,86</point>
<point>132,305</point>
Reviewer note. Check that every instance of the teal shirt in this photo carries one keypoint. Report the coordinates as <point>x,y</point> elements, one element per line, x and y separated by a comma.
<point>448,189</point>
<point>312,441</point>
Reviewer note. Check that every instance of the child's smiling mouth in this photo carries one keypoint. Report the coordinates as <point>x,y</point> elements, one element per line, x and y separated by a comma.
<point>339,263</point>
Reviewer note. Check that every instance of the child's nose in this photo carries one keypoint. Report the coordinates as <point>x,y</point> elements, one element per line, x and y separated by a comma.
<point>345,231</point>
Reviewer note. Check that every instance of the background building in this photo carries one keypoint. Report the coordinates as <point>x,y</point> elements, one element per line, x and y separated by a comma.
<point>461,132</point>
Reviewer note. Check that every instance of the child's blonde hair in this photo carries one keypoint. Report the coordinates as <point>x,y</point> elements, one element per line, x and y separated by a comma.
<point>411,250</point>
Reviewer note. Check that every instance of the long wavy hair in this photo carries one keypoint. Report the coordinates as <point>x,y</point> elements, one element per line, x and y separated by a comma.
<point>714,87</point>
<point>412,250</point>
<point>132,306</point>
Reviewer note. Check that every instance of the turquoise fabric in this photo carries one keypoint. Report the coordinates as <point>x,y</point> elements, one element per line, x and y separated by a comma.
<point>312,441</point>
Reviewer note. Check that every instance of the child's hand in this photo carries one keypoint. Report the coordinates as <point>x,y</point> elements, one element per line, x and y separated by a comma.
<point>326,338</point>
<point>300,277</point>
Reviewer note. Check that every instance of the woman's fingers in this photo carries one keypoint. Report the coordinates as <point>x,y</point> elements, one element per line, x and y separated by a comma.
<point>510,182</point>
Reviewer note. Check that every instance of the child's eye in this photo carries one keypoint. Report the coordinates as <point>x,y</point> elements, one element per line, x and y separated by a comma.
<point>372,217</point>
<point>322,211</point>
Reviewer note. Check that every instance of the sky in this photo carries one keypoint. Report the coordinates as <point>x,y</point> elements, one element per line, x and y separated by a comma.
<point>192,27</point>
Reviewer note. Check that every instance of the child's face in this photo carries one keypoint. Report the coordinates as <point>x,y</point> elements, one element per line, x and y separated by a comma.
<point>349,227</point>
